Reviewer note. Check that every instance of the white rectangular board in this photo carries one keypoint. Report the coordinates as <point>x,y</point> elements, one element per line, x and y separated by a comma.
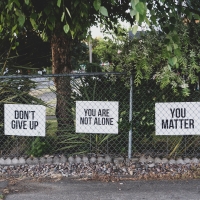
<point>24,120</point>
<point>177,118</point>
<point>97,117</point>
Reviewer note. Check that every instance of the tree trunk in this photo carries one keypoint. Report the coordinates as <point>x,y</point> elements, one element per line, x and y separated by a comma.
<point>61,64</point>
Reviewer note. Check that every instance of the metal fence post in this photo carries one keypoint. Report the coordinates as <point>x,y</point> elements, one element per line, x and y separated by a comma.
<point>130,117</point>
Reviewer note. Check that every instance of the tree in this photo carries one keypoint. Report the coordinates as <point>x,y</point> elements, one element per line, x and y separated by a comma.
<point>61,22</point>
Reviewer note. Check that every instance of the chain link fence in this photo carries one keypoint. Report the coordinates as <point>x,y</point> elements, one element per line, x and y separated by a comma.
<point>55,117</point>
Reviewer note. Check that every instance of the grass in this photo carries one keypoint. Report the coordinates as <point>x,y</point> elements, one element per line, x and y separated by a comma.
<point>50,111</point>
<point>41,91</point>
<point>51,127</point>
<point>52,101</point>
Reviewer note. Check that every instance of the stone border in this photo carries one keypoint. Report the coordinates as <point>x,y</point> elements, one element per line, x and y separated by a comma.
<point>99,159</point>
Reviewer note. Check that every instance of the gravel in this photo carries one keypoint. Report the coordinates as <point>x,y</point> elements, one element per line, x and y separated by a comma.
<point>105,168</point>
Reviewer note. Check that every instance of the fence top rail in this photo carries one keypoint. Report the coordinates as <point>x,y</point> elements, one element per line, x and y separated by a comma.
<point>62,75</point>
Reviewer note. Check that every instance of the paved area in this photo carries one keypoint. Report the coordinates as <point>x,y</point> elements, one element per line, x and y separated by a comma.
<point>67,189</point>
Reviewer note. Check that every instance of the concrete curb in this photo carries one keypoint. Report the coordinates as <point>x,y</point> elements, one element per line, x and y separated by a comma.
<point>98,159</point>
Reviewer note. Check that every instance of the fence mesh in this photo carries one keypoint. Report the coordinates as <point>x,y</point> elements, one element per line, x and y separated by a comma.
<point>59,95</point>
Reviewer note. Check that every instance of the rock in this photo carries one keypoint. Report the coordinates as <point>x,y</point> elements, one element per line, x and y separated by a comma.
<point>118,160</point>
<point>78,159</point>
<point>21,161</point>
<point>43,160</point>
<point>35,161</point>
<point>2,161</point>
<point>134,160</point>
<point>108,159</point>
<point>142,159</point>
<point>172,161</point>
<point>150,159</point>
<point>7,161</point>
<point>194,161</point>
<point>187,160</point>
<point>85,159</point>
<point>131,172</point>
<point>49,160</point>
<point>93,159</point>
<point>100,159</point>
<point>138,165</point>
<point>29,161</point>
<point>157,160</point>
<point>56,160</point>
<point>151,165</point>
<point>63,159</point>
<point>165,160</point>
<point>71,159</point>
<point>15,161</point>
<point>180,161</point>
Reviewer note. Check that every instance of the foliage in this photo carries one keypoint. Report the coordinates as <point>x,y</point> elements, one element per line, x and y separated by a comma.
<point>25,58</point>
<point>145,55</point>
<point>105,50</point>
<point>13,91</point>
<point>39,147</point>
<point>71,17</point>
<point>147,58</point>
<point>98,88</point>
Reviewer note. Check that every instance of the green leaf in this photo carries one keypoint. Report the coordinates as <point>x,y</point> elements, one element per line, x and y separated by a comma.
<point>52,19</point>
<point>14,28</point>
<point>142,17</point>
<point>166,29</point>
<point>62,17</point>
<point>33,16</point>
<point>76,3</point>
<point>169,48</point>
<point>21,19</point>
<point>140,7</point>
<point>68,12</point>
<point>133,3</point>
<point>137,18</point>
<point>171,27</point>
<point>135,28</point>
<point>47,10</point>
<point>33,23</point>
<point>103,11</point>
<point>147,21</point>
<point>172,20</point>
<point>143,118</point>
<point>97,4</point>
<point>58,3</point>
<point>133,12</point>
<point>175,38</point>
<point>153,19</point>
<point>175,46</point>
<point>26,2</point>
<point>196,16</point>
<point>172,61</point>
<point>18,12</point>
<point>66,28</point>
<point>17,2</point>
<point>177,52</point>
<point>167,41</point>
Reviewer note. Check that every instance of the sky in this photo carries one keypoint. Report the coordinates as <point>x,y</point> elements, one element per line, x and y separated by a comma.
<point>96,31</point>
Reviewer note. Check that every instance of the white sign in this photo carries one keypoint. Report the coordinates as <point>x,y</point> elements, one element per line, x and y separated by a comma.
<point>180,118</point>
<point>97,117</point>
<point>24,120</point>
